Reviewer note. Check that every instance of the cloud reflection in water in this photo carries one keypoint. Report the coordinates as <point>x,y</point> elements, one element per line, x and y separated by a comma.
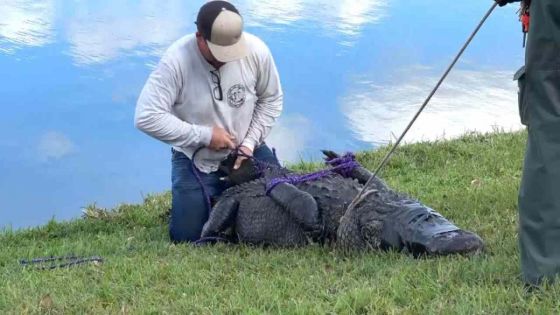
<point>469,100</point>
<point>25,23</point>
<point>289,137</point>
<point>344,16</point>
<point>54,145</point>
<point>102,31</point>
<point>99,32</point>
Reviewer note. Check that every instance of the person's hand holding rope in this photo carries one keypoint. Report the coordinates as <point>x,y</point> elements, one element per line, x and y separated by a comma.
<point>221,139</point>
<point>242,154</point>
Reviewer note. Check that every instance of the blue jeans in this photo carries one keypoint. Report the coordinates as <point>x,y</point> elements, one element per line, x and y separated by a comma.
<point>189,210</point>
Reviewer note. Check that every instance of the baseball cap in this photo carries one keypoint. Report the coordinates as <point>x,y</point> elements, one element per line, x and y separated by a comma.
<point>221,25</point>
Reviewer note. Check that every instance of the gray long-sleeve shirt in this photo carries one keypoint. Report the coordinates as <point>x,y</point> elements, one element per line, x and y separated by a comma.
<point>178,106</point>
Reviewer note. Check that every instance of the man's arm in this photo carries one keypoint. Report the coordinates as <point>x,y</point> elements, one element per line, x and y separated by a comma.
<point>154,109</point>
<point>269,104</point>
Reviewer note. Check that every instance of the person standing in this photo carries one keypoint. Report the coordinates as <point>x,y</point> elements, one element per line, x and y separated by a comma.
<point>539,194</point>
<point>214,91</point>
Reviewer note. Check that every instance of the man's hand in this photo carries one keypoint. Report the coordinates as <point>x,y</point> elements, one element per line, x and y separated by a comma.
<point>245,151</point>
<point>501,3</point>
<point>221,140</point>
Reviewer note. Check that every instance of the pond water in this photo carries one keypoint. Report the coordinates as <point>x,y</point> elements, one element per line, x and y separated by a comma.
<point>354,72</point>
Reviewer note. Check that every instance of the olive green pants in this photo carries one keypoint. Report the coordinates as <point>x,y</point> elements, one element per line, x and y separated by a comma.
<point>539,195</point>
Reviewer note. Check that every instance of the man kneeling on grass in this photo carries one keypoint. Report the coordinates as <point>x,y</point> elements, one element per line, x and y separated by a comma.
<point>212,92</point>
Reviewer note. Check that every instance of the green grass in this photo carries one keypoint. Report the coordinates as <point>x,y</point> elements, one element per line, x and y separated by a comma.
<point>472,181</point>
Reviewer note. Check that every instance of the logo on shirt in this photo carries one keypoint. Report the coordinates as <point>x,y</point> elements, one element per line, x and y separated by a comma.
<point>236,96</point>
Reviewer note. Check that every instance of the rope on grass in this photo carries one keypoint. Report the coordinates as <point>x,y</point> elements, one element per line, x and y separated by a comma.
<point>53,262</point>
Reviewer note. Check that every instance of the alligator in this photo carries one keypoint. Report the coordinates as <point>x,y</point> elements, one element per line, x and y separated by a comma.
<point>293,215</point>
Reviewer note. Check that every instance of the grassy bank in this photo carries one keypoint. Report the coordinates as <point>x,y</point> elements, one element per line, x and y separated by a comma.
<point>473,181</point>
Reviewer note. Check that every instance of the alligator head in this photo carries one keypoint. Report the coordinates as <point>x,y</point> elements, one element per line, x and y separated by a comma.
<point>249,170</point>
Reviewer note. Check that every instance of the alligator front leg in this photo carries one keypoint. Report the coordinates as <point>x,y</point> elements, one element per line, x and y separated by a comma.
<point>359,230</point>
<point>222,216</point>
<point>348,237</point>
<point>299,204</point>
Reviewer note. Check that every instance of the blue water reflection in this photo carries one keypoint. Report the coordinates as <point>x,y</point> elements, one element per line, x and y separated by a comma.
<point>353,71</point>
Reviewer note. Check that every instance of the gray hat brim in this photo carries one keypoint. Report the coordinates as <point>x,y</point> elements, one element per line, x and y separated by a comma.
<point>229,53</point>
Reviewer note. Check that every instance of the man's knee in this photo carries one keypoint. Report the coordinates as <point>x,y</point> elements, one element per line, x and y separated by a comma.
<point>189,212</point>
